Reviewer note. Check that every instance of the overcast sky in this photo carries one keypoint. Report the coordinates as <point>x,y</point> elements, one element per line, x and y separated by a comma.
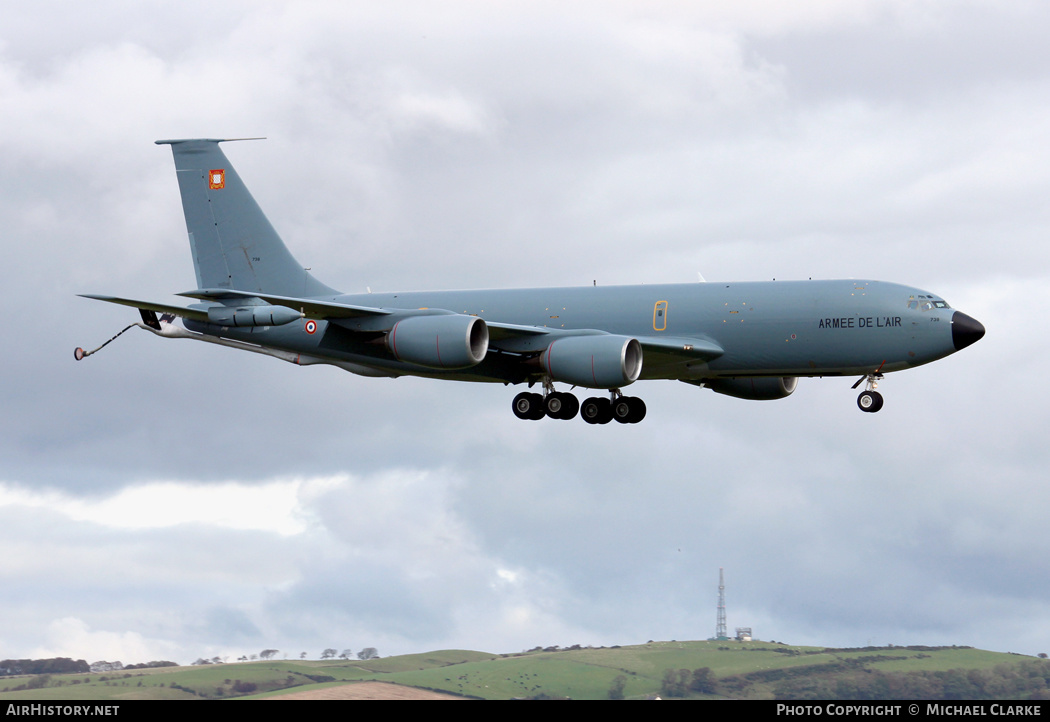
<point>171,500</point>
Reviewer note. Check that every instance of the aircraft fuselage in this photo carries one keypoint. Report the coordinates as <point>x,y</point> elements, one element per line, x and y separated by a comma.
<point>775,328</point>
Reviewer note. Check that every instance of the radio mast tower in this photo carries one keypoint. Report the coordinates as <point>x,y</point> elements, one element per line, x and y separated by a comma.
<point>721,632</point>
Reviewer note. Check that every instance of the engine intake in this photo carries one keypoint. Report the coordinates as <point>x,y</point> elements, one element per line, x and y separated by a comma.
<point>594,362</point>
<point>453,341</point>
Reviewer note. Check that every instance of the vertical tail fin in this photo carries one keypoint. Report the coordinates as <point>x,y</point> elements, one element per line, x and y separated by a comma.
<point>233,244</point>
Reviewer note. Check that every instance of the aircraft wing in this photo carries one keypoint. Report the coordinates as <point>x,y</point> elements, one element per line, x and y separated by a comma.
<point>507,331</point>
<point>513,338</point>
<point>516,338</point>
<point>319,310</point>
<point>658,350</point>
<point>190,313</point>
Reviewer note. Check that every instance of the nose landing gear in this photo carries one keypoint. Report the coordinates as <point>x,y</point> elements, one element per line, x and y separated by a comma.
<point>870,400</point>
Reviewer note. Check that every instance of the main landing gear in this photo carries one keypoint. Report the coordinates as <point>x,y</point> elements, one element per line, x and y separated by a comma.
<point>565,406</point>
<point>869,400</point>
<point>625,409</point>
<point>534,407</point>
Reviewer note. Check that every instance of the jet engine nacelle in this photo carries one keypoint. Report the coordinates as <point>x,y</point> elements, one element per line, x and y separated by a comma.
<point>754,388</point>
<point>595,362</point>
<point>241,316</point>
<point>453,341</point>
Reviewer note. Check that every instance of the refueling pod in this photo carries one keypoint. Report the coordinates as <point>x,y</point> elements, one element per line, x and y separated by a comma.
<point>450,341</point>
<point>602,361</point>
<point>243,316</point>
<point>754,388</point>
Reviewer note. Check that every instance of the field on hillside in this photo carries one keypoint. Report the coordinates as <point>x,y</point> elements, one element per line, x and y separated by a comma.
<point>736,670</point>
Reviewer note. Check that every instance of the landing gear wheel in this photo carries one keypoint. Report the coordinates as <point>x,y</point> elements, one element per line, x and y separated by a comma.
<point>621,409</point>
<point>637,409</point>
<point>595,410</point>
<point>553,405</point>
<point>528,406</point>
<point>870,401</point>
<point>589,410</point>
<point>570,406</point>
<point>628,409</point>
<point>561,405</point>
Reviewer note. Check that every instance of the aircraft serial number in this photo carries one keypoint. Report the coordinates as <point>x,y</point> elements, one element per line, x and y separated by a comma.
<point>868,322</point>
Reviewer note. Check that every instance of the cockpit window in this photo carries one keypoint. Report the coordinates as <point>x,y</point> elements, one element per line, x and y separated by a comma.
<point>926,303</point>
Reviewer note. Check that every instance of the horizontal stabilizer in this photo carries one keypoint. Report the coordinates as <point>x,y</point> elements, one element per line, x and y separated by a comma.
<point>311,308</point>
<point>190,313</point>
<point>206,140</point>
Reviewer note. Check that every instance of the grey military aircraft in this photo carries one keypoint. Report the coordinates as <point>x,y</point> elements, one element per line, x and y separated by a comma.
<point>746,340</point>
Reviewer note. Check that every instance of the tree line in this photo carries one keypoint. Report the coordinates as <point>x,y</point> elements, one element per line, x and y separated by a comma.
<point>268,654</point>
<point>55,665</point>
<point>848,680</point>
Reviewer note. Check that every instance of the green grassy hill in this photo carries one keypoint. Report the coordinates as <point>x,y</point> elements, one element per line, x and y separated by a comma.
<point>737,670</point>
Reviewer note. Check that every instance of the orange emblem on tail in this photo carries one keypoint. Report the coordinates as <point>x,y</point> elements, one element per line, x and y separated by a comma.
<point>217,178</point>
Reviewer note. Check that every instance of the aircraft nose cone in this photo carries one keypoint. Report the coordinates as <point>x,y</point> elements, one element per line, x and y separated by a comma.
<point>965,330</point>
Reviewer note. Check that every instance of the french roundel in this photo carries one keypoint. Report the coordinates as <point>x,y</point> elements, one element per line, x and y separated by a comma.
<point>311,326</point>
